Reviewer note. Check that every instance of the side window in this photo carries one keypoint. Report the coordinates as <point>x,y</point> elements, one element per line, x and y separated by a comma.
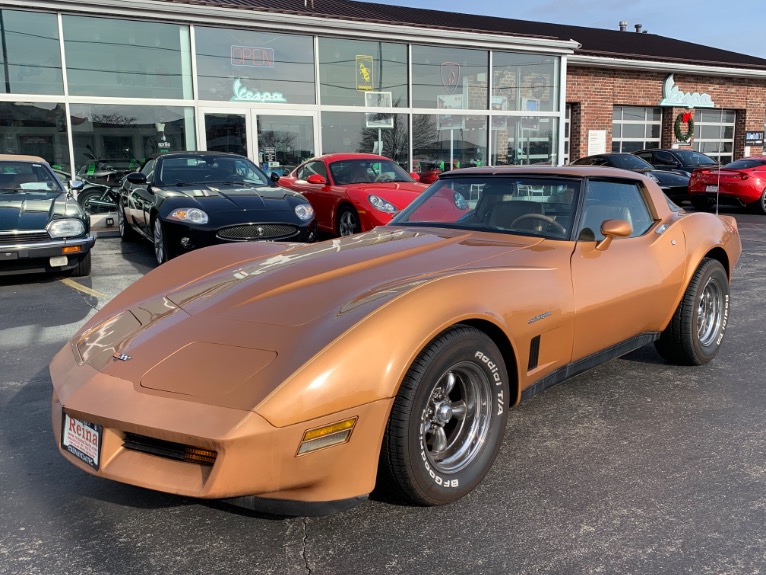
<point>665,159</point>
<point>646,156</point>
<point>312,168</point>
<point>613,200</point>
<point>148,169</point>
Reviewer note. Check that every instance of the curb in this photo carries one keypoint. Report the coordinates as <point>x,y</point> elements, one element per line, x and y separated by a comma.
<point>99,227</point>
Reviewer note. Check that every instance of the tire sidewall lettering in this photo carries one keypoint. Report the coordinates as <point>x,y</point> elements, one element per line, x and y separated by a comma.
<point>495,374</point>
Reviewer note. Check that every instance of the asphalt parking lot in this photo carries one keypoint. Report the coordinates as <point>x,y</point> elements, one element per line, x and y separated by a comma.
<point>635,467</point>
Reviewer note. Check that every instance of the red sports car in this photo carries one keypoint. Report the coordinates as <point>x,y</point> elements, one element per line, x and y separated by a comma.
<point>742,183</point>
<point>353,193</point>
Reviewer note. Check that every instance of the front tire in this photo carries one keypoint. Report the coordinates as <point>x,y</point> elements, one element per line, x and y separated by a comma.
<point>82,269</point>
<point>696,331</point>
<point>448,419</point>
<point>127,233</point>
<point>348,222</point>
<point>161,244</point>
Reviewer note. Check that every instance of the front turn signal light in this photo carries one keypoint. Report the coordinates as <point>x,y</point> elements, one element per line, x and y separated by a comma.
<point>326,436</point>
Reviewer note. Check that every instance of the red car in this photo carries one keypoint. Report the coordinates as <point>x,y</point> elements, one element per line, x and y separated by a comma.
<point>353,193</point>
<point>742,183</point>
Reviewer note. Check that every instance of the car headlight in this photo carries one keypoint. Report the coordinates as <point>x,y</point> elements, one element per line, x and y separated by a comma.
<point>189,215</point>
<point>304,212</point>
<point>652,176</point>
<point>66,228</point>
<point>382,205</point>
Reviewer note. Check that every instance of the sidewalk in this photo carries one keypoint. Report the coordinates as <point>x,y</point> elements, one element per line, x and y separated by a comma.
<point>100,228</point>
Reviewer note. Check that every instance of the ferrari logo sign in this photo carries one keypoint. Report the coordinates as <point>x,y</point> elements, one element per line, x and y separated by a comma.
<point>450,76</point>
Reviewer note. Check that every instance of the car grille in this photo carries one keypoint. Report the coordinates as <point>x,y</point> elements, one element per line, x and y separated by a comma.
<point>169,449</point>
<point>16,238</point>
<point>252,232</point>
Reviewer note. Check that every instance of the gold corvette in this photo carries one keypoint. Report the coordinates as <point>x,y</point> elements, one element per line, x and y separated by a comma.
<point>286,378</point>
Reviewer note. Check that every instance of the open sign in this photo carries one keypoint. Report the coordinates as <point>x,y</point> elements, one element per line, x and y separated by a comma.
<point>252,56</point>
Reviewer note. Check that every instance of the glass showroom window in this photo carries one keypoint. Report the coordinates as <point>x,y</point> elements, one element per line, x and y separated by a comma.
<point>384,134</point>
<point>353,72</point>
<point>127,59</point>
<point>635,128</point>
<point>124,136</point>
<point>443,142</point>
<point>714,134</point>
<point>36,129</point>
<point>30,60</point>
<point>254,66</point>
<point>449,78</point>
<point>525,82</point>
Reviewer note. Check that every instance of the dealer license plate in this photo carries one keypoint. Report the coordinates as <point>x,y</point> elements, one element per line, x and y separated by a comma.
<point>711,188</point>
<point>82,439</point>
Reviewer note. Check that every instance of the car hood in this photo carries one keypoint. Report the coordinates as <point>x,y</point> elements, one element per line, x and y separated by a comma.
<point>230,197</point>
<point>666,178</point>
<point>259,320</point>
<point>32,210</point>
<point>400,194</point>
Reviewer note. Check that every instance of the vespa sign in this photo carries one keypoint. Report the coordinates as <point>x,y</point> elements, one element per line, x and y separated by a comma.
<point>672,96</point>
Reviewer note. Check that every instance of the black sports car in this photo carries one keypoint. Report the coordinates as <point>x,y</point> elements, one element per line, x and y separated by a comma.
<point>682,161</point>
<point>42,227</point>
<point>186,200</point>
<point>674,184</point>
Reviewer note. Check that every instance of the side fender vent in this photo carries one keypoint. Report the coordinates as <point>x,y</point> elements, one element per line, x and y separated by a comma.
<point>534,353</point>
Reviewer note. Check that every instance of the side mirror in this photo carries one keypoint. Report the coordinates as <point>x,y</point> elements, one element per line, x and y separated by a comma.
<point>274,177</point>
<point>613,229</point>
<point>316,179</point>
<point>76,185</point>
<point>415,176</point>
<point>136,178</point>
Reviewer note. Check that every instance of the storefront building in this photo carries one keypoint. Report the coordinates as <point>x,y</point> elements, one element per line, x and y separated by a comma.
<point>282,80</point>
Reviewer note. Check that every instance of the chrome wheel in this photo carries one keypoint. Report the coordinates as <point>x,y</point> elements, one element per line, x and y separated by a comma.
<point>348,223</point>
<point>448,419</point>
<point>697,328</point>
<point>456,419</point>
<point>709,312</point>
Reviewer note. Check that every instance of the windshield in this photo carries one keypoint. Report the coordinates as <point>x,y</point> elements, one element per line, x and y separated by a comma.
<point>690,158</point>
<point>209,169</point>
<point>357,171</point>
<point>25,175</point>
<point>523,205</point>
<point>630,162</point>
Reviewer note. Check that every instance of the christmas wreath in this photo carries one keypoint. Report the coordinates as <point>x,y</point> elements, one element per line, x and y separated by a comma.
<point>687,117</point>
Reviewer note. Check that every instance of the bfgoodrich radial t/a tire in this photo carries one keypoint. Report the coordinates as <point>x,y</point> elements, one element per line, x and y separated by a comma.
<point>448,419</point>
<point>696,331</point>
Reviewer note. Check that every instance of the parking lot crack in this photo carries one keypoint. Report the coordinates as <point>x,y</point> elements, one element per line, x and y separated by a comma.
<point>304,547</point>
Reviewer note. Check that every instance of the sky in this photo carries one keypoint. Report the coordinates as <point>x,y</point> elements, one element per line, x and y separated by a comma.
<point>736,25</point>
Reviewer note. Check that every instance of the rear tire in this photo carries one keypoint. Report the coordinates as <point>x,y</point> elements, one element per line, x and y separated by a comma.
<point>448,419</point>
<point>86,197</point>
<point>759,206</point>
<point>702,204</point>
<point>696,331</point>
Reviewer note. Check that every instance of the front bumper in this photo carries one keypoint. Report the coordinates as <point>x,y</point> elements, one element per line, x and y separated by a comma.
<point>254,459</point>
<point>29,257</point>
<point>183,238</point>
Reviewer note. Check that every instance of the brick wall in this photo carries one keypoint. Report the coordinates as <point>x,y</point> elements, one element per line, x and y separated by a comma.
<point>594,91</point>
